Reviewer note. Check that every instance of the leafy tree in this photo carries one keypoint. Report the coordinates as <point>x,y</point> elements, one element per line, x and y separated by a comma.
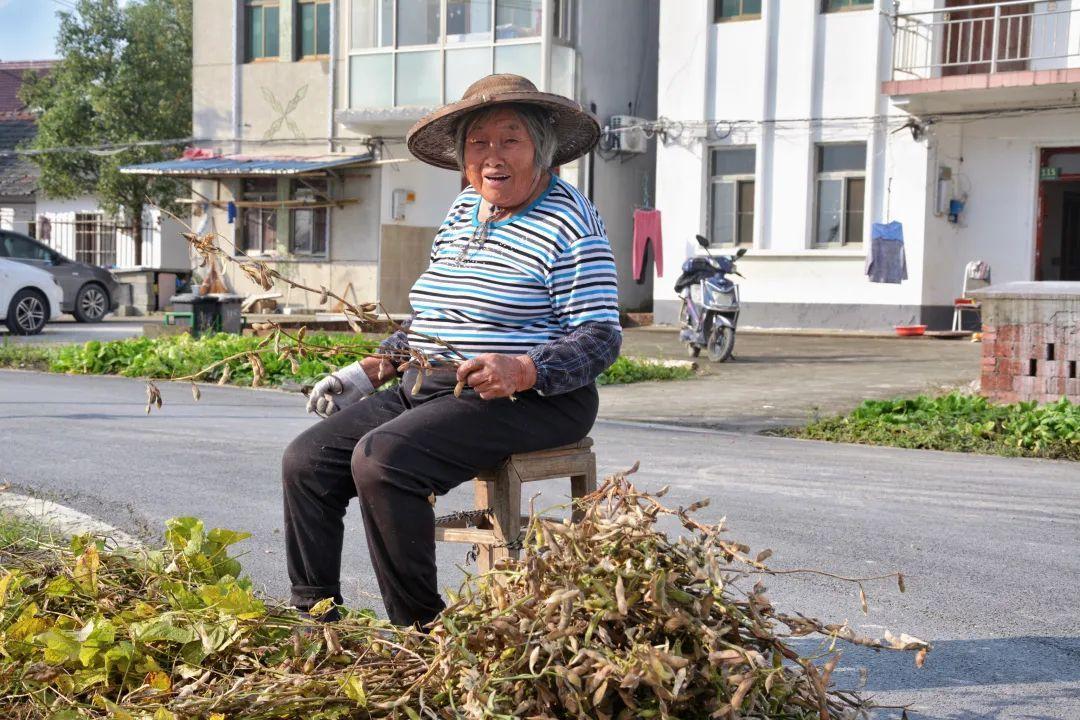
<point>124,76</point>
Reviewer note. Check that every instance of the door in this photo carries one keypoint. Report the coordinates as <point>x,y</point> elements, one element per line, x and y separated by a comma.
<point>1070,237</point>
<point>968,39</point>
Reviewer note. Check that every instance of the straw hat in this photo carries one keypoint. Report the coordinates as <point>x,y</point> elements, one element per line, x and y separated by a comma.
<point>432,138</point>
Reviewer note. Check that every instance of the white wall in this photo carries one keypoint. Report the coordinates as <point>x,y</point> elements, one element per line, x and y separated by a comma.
<point>681,93</point>
<point>435,190</point>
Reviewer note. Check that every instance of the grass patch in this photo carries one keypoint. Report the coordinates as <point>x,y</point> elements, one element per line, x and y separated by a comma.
<point>631,370</point>
<point>25,357</point>
<point>960,423</point>
<point>180,355</point>
<point>19,533</point>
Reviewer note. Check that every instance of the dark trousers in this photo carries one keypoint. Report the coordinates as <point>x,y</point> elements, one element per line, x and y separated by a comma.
<point>393,450</point>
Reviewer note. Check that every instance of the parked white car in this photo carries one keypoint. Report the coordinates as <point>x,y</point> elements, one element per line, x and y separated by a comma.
<point>29,297</point>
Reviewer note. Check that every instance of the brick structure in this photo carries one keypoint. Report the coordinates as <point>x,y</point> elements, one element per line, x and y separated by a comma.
<point>1031,341</point>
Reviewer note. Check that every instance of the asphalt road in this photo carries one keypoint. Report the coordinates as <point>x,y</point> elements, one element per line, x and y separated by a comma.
<point>66,330</point>
<point>988,544</point>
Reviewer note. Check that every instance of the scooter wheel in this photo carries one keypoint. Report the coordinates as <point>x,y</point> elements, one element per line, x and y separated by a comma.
<point>721,343</point>
<point>693,350</point>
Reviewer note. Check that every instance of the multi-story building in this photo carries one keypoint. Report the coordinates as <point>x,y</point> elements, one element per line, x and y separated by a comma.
<point>791,127</point>
<point>301,107</point>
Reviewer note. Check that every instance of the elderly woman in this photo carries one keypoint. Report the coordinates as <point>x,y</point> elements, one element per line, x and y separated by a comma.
<point>522,284</point>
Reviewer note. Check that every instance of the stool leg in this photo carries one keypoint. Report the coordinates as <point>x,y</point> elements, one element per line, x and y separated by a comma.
<point>503,496</point>
<point>582,485</point>
<point>483,492</point>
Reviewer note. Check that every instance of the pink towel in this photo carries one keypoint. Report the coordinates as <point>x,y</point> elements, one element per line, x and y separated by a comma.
<point>647,228</point>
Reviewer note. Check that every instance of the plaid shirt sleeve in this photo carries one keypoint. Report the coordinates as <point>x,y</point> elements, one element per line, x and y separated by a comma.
<point>577,359</point>
<point>396,345</point>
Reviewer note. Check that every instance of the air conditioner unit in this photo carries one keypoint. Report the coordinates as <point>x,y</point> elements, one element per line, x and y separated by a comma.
<point>629,133</point>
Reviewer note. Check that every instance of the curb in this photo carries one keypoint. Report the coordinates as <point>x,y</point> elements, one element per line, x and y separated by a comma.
<point>64,519</point>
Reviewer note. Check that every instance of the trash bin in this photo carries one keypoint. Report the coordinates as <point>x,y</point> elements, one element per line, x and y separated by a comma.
<point>201,309</point>
<point>231,321</point>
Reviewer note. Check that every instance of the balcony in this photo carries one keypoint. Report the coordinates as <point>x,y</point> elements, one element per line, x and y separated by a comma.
<point>976,56</point>
<point>408,57</point>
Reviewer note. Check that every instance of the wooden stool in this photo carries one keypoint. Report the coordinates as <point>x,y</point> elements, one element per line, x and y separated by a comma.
<point>495,525</point>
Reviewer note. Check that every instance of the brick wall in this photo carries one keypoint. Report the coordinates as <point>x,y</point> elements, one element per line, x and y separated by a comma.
<point>1031,344</point>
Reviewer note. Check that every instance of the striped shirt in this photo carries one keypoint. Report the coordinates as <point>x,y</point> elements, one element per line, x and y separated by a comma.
<point>539,275</point>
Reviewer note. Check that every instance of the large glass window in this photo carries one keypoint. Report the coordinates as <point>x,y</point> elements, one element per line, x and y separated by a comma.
<point>839,5</point>
<point>563,79</point>
<point>372,24</point>
<point>309,225</point>
<point>517,18</point>
<point>371,80</point>
<point>724,10</point>
<point>259,215</point>
<point>521,60</point>
<point>418,78</point>
<point>261,22</point>
<point>731,196</point>
<point>313,28</point>
<point>562,19</point>
<point>468,21</point>
<point>841,191</point>
<point>463,68</point>
<point>418,22</point>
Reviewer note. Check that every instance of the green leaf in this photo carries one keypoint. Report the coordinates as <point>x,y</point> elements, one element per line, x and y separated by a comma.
<point>163,629</point>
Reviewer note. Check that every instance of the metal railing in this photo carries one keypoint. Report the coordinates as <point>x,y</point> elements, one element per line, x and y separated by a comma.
<point>94,240</point>
<point>986,38</point>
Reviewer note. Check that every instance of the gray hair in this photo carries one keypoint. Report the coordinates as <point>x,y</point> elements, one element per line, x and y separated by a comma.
<point>537,122</point>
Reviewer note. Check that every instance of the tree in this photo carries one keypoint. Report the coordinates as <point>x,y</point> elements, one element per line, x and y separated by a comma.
<point>124,76</point>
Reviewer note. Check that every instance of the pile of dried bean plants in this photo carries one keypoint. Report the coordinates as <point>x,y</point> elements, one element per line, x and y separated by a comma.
<point>609,618</point>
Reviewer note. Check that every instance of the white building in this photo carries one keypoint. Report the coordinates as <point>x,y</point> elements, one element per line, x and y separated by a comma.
<point>790,127</point>
<point>303,106</point>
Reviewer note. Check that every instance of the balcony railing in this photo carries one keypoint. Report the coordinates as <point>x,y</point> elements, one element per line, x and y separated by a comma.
<point>986,38</point>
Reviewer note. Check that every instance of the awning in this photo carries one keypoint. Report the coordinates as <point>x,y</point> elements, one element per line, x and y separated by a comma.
<point>249,165</point>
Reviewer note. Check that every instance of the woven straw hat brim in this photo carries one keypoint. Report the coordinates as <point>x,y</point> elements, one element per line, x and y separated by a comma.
<point>432,138</point>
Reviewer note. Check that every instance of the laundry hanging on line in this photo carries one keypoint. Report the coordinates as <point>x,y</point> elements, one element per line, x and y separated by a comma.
<point>646,229</point>
<point>886,262</point>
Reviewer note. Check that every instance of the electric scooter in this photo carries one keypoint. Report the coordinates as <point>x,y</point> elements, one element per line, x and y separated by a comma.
<point>710,303</point>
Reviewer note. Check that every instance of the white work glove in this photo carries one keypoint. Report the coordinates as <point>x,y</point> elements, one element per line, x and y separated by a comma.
<point>347,386</point>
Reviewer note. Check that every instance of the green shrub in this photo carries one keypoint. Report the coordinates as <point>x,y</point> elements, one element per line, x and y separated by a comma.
<point>181,355</point>
<point>958,422</point>
<point>25,357</point>
<point>632,370</point>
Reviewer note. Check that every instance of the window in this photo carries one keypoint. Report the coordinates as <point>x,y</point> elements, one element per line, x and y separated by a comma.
<point>259,223</point>
<point>724,10</point>
<point>731,196</point>
<point>372,24</point>
<point>517,18</point>
<point>418,22</point>
<point>309,225</point>
<point>840,5</point>
<point>468,21</point>
<point>313,28</point>
<point>14,246</point>
<point>841,190</point>
<point>261,21</point>
<point>562,19</point>
<point>95,241</point>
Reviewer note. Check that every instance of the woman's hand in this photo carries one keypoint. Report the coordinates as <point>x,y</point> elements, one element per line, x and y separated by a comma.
<point>378,370</point>
<point>494,375</point>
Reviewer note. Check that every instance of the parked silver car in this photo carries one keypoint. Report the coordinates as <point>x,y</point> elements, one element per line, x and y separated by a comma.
<point>90,292</point>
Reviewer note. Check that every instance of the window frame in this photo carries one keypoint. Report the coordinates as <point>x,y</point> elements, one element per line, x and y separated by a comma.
<point>301,187</point>
<point>247,195</point>
<point>491,43</point>
<point>739,180</point>
<point>249,56</point>
<point>851,6</point>
<point>298,40</point>
<point>845,177</point>
<point>740,17</point>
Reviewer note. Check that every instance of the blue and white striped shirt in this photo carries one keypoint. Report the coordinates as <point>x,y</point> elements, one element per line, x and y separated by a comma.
<point>538,276</point>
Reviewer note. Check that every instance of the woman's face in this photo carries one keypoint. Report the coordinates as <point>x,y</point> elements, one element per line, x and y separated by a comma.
<point>499,159</point>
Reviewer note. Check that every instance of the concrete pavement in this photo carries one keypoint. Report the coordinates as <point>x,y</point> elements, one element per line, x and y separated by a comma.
<point>988,544</point>
<point>787,379</point>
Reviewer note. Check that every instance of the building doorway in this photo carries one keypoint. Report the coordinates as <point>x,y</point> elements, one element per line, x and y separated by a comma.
<point>1057,242</point>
